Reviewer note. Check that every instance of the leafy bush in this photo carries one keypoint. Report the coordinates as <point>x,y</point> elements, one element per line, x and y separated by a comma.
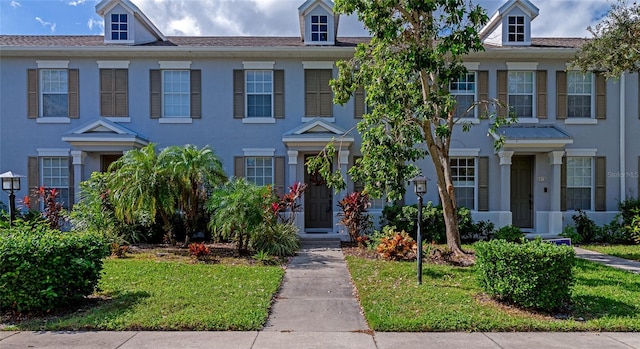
<point>509,233</point>
<point>199,250</point>
<point>629,209</point>
<point>42,268</point>
<point>570,232</point>
<point>354,214</point>
<point>585,227</point>
<point>280,239</point>
<point>534,274</point>
<point>483,230</point>
<point>397,246</point>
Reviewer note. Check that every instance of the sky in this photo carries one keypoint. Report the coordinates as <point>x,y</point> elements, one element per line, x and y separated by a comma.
<point>557,18</point>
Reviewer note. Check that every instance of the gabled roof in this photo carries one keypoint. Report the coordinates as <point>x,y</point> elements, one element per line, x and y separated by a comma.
<point>525,5</point>
<point>310,5</point>
<point>105,5</point>
<point>104,135</point>
<point>316,132</point>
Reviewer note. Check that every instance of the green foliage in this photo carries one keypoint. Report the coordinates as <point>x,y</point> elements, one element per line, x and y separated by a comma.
<point>482,230</point>
<point>280,239</point>
<point>238,210</point>
<point>571,233</point>
<point>615,47</point>
<point>585,226</point>
<point>397,246</point>
<point>509,233</point>
<point>534,274</point>
<point>354,214</point>
<point>42,268</point>
<point>630,215</point>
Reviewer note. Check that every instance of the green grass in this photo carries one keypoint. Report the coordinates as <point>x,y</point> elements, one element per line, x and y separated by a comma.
<point>623,251</point>
<point>604,299</point>
<point>149,294</point>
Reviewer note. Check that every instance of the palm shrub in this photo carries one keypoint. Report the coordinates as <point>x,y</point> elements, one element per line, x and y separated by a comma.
<point>278,239</point>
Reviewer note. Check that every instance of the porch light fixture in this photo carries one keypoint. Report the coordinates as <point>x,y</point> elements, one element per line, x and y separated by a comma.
<point>420,188</point>
<point>11,184</point>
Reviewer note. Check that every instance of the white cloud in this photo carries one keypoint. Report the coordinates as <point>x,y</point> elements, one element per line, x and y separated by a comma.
<point>98,23</point>
<point>568,18</point>
<point>77,2</point>
<point>14,4</point>
<point>52,26</point>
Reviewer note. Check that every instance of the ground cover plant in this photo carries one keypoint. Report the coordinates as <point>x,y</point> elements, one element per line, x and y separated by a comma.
<point>450,299</point>
<point>169,290</point>
<point>631,252</point>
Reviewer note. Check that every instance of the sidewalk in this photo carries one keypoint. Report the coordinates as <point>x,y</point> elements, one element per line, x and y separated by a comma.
<point>612,261</point>
<point>316,309</point>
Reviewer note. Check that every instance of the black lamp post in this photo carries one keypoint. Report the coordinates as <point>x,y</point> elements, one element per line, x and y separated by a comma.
<point>10,184</point>
<point>420,188</point>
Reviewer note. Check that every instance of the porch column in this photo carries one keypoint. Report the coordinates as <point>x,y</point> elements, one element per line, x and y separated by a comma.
<point>555,159</point>
<point>292,156</point>
<point>505,180</point>
<point>343,162</point>
<point>78,170</point>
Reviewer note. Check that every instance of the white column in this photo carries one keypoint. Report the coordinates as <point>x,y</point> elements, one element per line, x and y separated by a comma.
<point>555,159</point>
<point>292,156</point>
<point>78,170</point>
<point>505,180</point>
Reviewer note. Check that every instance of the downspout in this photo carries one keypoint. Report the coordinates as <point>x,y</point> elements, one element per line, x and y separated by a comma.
<point>623,116</point>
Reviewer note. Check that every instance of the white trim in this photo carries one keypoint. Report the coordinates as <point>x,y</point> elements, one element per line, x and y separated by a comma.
<point>256,65</point>
<point>471,65</point>
<point>522,66</point>
<point>127,42</point>
<point>113,64</point>
<point>317,64</point>
<point>118,119</point>
<point>60,152</point>
<point>265,120</point>
<point>53,120</point>
<point>78,157</point>
<point>176,120</point>
<point>259,151</point>
<point>175,64</point>
<point>326,119</point>
<point>580,121</point>
<point>464,152</point>
<point>505,157</point>
<point>532,120</point>
<point>53,64</point>
<point>555,157</point>
<point>343,157</point>
<point>293,157</point>
<point>468,120</point>
<point>581,152</point>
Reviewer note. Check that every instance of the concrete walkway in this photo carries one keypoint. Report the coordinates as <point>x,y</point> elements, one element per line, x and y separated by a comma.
<point>612,261</point>
<point>316,309</point>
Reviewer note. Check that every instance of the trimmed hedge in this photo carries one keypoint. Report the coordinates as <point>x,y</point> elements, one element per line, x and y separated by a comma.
<point>534,274</point>
<point>41,268</point>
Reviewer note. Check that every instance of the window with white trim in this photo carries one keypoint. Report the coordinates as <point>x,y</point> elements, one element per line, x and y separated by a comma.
<point>579,94</point>
<point>54,87</point>
<point>515,31</point>
<point>259,93</point>
<point>319,28</point>
<point>579,183</point>
<point>463,174</point>
<point>119,26</point>
<point>464,92</point>
<point>259,170</point>
<point>176,94</point>
<point>55,175</point>
<point>521,89</point>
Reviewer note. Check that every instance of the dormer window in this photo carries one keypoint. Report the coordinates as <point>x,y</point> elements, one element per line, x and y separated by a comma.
<point>119,27</point>
<point>516,29</point>
<point>319,28</point>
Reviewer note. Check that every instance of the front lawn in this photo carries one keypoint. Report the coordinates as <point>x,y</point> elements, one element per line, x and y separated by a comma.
<point>623,251</point>
<point>147,292</point>
<point>604,299</point>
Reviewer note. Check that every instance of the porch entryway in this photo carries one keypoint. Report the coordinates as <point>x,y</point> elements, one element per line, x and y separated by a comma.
<point>522,191</point>
<point>318,202</point>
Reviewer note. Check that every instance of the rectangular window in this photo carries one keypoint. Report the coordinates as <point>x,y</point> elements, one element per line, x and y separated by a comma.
<point>463,173</point>
<point>579,183</point>
<point>259,170</point>
<point>319,28</point>
<point>54,84</point>
<point>55,175</point>
<point>464,92</point>
<point>175,94</point>
<point>521,91</point>
<point>259,84</point>
<point>119,27</point>
<point>516,28</point>
<point>579,91</point>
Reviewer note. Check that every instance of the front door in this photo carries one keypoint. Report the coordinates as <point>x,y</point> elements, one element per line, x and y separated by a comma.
<point>522,191</point>
<point>108,159</point>
<point>318,203</point>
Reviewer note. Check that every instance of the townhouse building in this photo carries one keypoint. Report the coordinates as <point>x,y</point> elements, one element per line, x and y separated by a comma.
<point>71,105</point>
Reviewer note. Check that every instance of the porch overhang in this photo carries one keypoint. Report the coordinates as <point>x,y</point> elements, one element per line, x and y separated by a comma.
<point>315,135</point>
<point>104,136</point>
<point>537,138</point>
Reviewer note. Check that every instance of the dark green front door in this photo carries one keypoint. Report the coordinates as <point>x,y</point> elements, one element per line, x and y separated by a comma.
<point>522,191</point>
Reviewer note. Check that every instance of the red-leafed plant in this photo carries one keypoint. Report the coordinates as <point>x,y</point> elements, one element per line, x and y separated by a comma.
<point>354,214</point>
<point>287,205</point>
<point>397,246</point>
<point>199,250</point>
<point>54,212</point>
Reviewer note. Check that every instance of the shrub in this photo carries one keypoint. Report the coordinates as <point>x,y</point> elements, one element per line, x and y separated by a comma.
<point>397,246</point>
<point>354,214</point>
<point>629,209</point>
<point>278,239</point>
<point>199,250</point>
<point>570,232</point>
<point>509,233</point>
<point>585,226</point>
<point>42,268</point>
<point>483,230</point>
<point>534,274</point>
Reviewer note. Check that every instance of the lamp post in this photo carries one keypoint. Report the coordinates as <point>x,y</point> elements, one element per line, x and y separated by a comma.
<point>10,184</point>
<point>420,188</point>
